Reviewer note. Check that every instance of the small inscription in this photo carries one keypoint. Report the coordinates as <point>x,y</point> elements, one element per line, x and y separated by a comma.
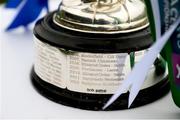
<point>82,72</point>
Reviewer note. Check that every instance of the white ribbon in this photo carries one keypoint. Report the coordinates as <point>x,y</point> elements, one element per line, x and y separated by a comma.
<point>137,77</point>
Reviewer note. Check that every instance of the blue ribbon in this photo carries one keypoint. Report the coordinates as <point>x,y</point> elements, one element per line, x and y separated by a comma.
<point>13,3</point>
<point>28,13</point>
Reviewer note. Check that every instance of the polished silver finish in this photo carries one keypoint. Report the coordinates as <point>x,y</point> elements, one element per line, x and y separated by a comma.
<point>102,16</point>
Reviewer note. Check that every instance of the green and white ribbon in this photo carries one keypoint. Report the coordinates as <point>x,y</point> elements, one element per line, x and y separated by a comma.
<point>137,77</point>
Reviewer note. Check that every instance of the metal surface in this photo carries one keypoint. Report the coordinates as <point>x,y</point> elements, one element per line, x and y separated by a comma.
<point>102,16</point>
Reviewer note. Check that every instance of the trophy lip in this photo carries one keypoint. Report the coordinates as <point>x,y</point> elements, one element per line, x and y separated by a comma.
<point>47,31</point>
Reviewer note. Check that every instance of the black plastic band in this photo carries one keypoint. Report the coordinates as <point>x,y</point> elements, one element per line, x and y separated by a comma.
<point>46,31</point>
<point>96,101</point>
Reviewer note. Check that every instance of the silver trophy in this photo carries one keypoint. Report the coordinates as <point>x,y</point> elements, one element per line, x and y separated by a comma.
<point>102,16</point>
<point>86,49</point>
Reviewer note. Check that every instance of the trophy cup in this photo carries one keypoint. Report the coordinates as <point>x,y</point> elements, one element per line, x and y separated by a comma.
<point>85,50</point>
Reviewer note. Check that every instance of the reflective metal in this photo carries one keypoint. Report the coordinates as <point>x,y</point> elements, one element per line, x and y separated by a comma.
<point>102,16</point>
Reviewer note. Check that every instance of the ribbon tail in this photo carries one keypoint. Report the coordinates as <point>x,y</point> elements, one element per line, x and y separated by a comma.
<point>140,70</point>
<point>13,3</point>
<point>125,86</point>
<point>26,15</point>
<point>147,61</point>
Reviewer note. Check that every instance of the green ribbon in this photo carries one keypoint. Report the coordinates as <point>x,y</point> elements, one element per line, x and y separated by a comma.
<point>167,51</point>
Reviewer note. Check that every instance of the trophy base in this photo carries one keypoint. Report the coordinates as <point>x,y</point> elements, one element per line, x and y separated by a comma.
<point>96,101</point>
